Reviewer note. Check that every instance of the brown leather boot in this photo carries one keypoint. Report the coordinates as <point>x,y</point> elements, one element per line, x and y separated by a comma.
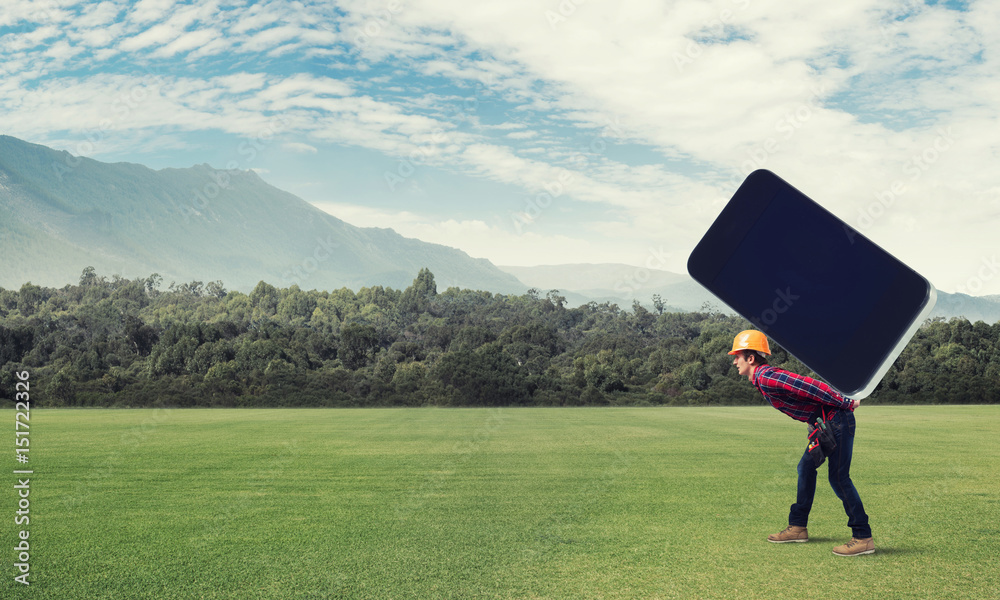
<point>856,547</point>
<point>792,533</point>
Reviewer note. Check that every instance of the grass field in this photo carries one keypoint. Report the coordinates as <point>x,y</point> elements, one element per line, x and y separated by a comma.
<point>502,503</point>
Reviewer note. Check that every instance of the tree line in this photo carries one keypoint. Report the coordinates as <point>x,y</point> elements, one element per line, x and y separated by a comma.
<point>128,343</point>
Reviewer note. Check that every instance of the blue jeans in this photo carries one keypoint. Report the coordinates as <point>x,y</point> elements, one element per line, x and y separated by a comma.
<point>839,462</point>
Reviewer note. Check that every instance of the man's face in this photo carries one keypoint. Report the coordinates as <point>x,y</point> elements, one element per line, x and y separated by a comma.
<point>742,365</point>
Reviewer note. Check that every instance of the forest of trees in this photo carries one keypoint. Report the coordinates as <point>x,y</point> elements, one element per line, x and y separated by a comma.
<point>127,343</point>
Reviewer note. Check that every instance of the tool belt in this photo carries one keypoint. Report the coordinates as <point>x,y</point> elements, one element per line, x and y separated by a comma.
<point>821,437</point>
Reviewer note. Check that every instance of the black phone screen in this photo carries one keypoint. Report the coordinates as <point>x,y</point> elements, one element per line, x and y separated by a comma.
<point>826,293</point>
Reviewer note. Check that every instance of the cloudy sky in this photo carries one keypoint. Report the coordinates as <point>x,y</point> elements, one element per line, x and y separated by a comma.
<point>535,132</point>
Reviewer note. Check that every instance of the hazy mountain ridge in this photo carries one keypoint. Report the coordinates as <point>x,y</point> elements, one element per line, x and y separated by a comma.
<point>973,308</point>
<point>617,283</point>
<point>622,284</point>
<point>62,213</point>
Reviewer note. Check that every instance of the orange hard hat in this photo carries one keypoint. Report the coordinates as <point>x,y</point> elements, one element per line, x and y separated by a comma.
<point>750,339</point>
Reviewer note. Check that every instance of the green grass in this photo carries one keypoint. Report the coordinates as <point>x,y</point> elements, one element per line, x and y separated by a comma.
<point>504,503</point>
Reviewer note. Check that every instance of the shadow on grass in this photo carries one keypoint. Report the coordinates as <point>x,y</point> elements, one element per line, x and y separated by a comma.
<point>890,550</point>
<point>894,550</point>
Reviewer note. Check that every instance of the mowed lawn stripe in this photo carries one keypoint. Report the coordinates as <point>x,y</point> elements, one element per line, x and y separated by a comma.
<point>500,503</point>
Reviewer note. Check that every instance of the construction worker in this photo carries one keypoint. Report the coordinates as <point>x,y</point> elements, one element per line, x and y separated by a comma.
<point>806,399</point>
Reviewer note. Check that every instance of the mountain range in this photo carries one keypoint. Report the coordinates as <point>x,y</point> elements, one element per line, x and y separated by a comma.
<point>622,284</point>
<point>616,283</point>
<point>61,213</point>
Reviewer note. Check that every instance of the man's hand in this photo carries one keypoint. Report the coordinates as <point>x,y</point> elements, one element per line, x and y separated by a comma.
<point>856,403</point>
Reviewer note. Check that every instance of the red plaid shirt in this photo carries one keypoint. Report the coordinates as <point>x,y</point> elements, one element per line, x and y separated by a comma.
<point>797,396</point>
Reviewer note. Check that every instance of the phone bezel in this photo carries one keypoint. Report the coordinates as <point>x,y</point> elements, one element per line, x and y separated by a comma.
<point>876,341</point>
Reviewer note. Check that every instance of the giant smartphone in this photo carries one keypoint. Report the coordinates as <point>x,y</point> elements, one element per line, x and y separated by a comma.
<point>830,296</point>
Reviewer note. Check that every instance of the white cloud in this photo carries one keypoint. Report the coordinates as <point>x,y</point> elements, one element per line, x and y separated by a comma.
<point>299,148</point>
<point>844,100</point>
<point>239,83</point>
<point>482,240</point>
<point>61,51</point>
<point>173,29</point>
<point>97,37</point>
<point>780,98</point>
<point>146,11</point>
<point>95,16</point>
<point>189,41</point>
<point>258,16</point>
<point>305,85</point>
<point>272,37</point>
<point>31,39</point>
<point>155,36</point>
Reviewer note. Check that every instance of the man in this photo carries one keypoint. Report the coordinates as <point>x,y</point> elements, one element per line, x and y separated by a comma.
<point>804,399</point>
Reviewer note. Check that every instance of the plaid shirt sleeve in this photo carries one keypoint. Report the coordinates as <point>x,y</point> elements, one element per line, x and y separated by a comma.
<point>796,395</point>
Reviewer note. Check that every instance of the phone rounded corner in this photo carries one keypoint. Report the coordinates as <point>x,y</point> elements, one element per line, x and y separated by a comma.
<point>761,174</point>
<point>691,265</point>
<point>862,393</point>
<point>932,296</point>
<point>859,392</point>
<point>925,309</point>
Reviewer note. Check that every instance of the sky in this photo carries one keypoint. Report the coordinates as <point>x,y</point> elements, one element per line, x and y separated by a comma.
<point>541,132</point>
